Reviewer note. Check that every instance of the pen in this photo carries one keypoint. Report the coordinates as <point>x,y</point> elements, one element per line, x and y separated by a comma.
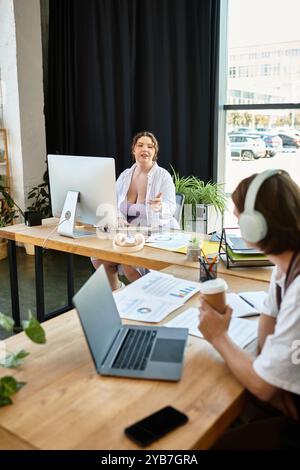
<point>203,264</point>
<point>203,254</point>
<point>247,301</point>
<point>211,265</point>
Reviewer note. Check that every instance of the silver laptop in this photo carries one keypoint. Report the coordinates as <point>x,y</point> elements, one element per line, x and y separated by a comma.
<point>145,352</point>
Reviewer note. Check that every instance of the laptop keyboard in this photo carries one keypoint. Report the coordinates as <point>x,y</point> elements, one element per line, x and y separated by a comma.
<point>135,350</point>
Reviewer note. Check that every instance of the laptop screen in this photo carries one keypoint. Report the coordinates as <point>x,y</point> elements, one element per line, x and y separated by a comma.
<point>98,314</point>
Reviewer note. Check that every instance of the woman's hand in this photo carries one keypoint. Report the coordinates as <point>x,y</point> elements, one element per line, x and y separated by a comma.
<point>156,203</point>
<point>122,223</point>
<point>213,324</point>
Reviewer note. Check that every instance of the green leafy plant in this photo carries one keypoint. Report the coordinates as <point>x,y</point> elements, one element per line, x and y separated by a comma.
<point>197,191</point>
<point>8,384</point>
<point>40,198</point>
<point>195,243</point>
<point>9,210</point>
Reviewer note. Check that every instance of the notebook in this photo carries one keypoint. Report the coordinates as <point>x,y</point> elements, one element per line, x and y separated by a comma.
<point>245,304</point>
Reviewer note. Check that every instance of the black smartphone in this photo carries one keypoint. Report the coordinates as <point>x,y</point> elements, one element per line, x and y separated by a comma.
<point>154,426</point>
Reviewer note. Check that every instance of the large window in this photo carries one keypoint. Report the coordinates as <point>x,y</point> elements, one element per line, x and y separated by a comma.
<point>262,102</point>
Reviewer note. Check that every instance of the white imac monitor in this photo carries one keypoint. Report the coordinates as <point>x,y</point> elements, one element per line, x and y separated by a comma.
<point>82,189</point>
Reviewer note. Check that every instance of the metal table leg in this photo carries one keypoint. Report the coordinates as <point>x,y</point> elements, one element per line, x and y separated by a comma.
<point>14,287</point>
<point>70,278</point>
<point>39,284</point>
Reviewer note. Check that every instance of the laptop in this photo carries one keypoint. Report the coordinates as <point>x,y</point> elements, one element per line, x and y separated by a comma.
<point>144,352</point>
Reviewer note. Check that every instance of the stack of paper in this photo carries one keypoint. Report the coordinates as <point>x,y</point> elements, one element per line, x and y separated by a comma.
<point>242,332</point>
<point>152,297</point>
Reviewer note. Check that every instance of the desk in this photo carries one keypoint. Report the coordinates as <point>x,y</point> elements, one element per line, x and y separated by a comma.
<point>233,280</point>
<point>66,405</point>
<point>148,257</point>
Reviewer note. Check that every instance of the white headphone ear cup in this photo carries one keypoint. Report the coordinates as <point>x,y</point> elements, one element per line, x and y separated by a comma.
<point>253,226</point>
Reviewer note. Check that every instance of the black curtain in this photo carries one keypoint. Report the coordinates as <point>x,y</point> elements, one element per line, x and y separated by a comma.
<point>117,67</point>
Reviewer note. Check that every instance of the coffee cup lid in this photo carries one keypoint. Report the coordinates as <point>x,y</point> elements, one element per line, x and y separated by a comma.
<point>215,286</point>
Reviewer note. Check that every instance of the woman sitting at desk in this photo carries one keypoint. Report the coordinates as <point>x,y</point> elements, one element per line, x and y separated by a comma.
<point>268,207</point>
<point>146,197</point>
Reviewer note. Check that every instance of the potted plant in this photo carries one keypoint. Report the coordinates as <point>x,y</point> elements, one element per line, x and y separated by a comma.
<point>9,210</point>
<point>40,199</point>
<point>39,204</point>
<point>193,249</point>
<point>204,203</point>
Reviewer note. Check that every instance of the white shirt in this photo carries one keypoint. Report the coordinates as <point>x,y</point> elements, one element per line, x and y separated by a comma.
<point>159,180</point>
<point>278,362</point>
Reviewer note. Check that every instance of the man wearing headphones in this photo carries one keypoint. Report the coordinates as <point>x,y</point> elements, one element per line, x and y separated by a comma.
<point>267,206</point>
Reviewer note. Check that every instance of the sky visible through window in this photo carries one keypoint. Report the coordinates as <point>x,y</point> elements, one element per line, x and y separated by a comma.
<point>259,22</point>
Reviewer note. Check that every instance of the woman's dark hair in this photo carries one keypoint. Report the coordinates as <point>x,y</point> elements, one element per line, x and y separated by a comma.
<point>146,134</point>
<point>278,199</point>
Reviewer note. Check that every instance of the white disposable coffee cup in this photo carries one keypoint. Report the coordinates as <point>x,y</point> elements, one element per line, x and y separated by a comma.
<point>214,292</point>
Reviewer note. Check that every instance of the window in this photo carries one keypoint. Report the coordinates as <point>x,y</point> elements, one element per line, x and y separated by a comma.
<point>262,104</point>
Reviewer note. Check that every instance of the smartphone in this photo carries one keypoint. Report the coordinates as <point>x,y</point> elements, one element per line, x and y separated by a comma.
<point>156,425</point>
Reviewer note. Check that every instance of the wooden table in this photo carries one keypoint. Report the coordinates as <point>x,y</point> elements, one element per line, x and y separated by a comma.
<point>148,257</point>
<point>66,405</point>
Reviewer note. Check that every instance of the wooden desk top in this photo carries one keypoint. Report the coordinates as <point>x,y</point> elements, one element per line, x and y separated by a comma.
<point>148,257</point>
<point>67,405</point>
<point>235,283</point>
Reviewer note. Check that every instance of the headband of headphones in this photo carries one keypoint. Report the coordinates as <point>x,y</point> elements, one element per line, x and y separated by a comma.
<point>254,188</point>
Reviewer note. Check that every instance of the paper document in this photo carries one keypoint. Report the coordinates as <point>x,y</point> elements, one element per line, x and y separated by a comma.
<point>164,287</point>
<point>171,241</point>
<point>257,299</point>
<point>208,248</point>
<point>152,297</point>
<point>147,309</point>
<point>246,304</point>
<point>242,332</point>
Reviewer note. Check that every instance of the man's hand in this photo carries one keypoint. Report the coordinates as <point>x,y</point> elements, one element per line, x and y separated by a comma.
<point>212,324</point>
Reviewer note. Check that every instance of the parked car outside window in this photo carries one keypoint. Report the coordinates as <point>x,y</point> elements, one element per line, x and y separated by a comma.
<point>273,142</point>
<point>247,147</point>
<point>290,139</point>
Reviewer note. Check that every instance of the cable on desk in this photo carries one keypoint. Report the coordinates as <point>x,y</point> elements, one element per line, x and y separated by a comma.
<point>52,231</point>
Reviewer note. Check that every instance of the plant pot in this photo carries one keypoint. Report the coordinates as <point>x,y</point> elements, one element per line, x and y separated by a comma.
<point>192,254</point>
<point>29,248</point>
<point>3,248</point>
<point>208,219</point>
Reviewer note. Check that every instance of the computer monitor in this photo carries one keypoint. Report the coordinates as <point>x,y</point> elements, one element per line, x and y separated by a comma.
<point>82,189</point>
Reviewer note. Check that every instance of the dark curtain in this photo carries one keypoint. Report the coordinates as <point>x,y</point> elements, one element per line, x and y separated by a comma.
<point>117,67</point>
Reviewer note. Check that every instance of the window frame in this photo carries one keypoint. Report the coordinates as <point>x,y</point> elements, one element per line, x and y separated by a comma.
<point>223,85</point>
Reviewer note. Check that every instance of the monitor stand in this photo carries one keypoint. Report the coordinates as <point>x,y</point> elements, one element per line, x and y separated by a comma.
<point>66,226</point>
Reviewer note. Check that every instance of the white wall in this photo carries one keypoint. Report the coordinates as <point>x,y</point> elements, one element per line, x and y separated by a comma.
<point>21,71</point>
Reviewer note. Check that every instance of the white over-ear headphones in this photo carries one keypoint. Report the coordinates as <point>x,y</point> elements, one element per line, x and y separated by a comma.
<point>252,223</point>
<point>122,244</point>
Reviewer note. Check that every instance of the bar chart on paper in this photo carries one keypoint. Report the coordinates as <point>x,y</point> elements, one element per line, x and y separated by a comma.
<point>152,297</point>
<point>182,293</point>
<point>165,287</point>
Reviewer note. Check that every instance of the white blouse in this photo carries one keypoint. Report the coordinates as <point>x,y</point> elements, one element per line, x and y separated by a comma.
<point>159,181</point>
<point>279,361</point>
